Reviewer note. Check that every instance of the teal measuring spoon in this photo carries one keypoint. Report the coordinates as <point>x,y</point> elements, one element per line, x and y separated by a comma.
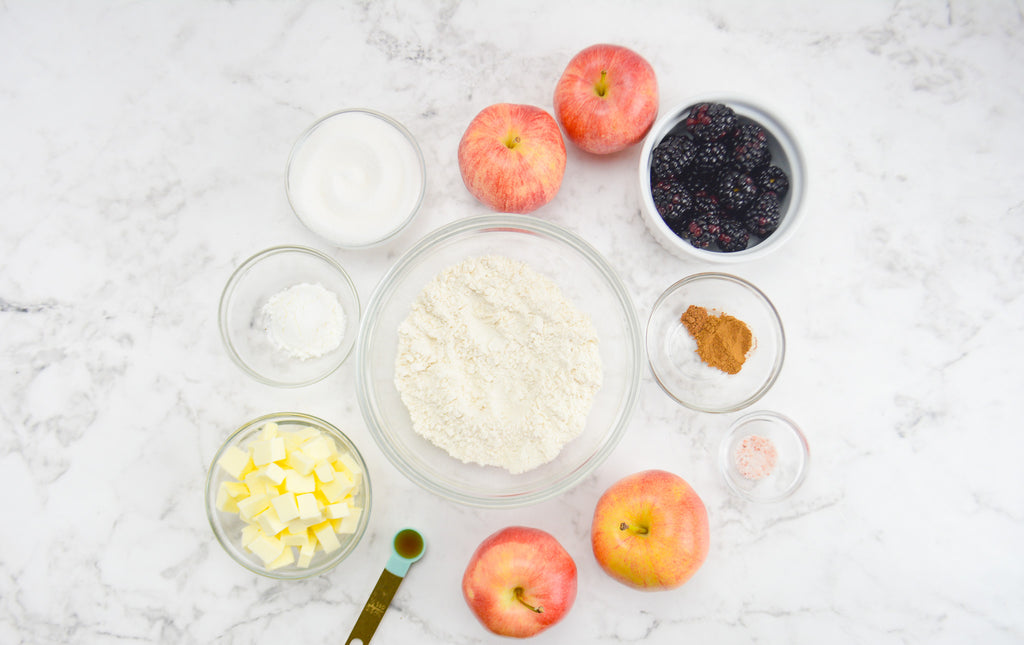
<point>407,547</point>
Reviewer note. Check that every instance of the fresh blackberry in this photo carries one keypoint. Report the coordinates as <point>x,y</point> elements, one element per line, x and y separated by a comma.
<point>710,121</point>
<point>672,157</point>
<point>674,204</point>
<point>750,147</point>
<point>705,203</point>
<point>703,230</point>
<point>736,191</point>
<point>697,183</point>
<point>710,158</point>
<point>732,236</point>
<point>773,179</point>
<point>763,217</point>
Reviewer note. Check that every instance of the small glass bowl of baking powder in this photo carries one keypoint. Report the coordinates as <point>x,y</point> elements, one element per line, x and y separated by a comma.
<point>764,457</point>
<point>289,316</point>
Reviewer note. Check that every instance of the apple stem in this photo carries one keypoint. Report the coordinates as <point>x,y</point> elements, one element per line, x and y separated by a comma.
<point>601,87</point>
<point>518,591</point>
<point>511,142</point>
<point>639,530</point>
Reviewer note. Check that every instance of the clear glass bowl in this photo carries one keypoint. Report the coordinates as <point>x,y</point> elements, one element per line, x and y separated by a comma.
<point>584,277</point>
<point>792,457</point>
<point>786,154</point>
<point>672,351</point>
<point>243,325</point>
<point>227,527</point>
<point>357,168</point>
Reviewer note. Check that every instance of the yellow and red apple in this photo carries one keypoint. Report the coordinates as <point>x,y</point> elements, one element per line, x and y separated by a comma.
<point>607,98</point>
<point>650,531</point>
<point>512,157</point>
<point>519,582</point>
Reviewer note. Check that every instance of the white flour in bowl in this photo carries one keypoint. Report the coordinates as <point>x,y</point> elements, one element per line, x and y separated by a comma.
<point>496,366</point>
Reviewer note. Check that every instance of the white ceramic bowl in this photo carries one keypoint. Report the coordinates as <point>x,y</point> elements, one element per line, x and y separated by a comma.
<point>584,277</point>
<point>785,152</point>
<point>243,322</point>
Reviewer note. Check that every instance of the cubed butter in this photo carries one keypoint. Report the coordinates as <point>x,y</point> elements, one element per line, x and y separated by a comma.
<point>309,509</point>
<point>350,464</point>
<point>233,461</point>
<point>298,525</point>
<point>286,507</point>
<point>317,450</point>
<point>300,462</point>
<point>225,502</point>
<point>295,539</point>
<point>351,521</point>
<point>306,553</point>
<point>267,548</point>
<point>266,451</point>
<point>324,472</point>
<point>325,535</point>
<point>235,489</point>
<point>249,533</point>
<point>336,489</point>
<point>287,557</point>
<point>296,482</point>
<point>256,482</point>
<point>269,430</point>
<point>253,505</point>
<point>273,473</point>
<point>269,522</point>
<point>337,511</point>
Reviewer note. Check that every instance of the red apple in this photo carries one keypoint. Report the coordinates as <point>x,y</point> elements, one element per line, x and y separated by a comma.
<point>607,98</point>
<point>519,582</point>
<point>512,157</point>
<point>650,531</point>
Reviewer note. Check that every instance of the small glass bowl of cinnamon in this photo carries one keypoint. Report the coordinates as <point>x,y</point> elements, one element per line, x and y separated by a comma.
<point>715,342</point>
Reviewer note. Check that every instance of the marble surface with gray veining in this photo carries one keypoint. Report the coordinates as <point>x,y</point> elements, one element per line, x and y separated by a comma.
<point>142,149</point>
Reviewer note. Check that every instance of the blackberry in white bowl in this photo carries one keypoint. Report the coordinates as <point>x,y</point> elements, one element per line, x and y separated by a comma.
<point>721,179</point>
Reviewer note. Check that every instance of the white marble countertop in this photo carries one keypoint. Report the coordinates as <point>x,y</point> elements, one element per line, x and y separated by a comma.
<point>142,148</point>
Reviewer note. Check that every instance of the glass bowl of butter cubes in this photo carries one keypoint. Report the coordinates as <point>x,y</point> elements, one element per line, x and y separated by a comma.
<point>288,496</point>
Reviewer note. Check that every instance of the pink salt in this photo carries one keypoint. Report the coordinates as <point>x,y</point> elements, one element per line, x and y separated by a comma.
<point>756,457</point>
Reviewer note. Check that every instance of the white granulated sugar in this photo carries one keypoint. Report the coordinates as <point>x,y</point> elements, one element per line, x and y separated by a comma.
<point>305,320</point>
<point>496,366</point>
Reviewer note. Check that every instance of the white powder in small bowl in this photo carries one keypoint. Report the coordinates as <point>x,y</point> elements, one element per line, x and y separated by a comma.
<point>305,321</point>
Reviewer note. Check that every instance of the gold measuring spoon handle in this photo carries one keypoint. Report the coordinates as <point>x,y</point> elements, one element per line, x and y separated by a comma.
<point>406,548</point>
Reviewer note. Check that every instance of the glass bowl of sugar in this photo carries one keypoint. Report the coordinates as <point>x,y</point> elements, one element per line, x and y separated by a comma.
<point>356,178</point>
<point>289,316</point>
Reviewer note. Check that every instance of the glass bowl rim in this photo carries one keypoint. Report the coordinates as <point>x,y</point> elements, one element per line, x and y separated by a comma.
<point>404,131</point>
<point>774,314</point>
<point>400,270</point>
<point>283,417</point>
<point>779,419</point>
<point>236,277</point>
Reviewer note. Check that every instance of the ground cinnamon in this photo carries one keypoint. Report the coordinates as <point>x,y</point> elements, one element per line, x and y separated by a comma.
<point>722,340</point>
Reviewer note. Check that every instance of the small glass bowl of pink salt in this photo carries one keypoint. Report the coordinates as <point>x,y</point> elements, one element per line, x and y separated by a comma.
<point>764,457</point>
